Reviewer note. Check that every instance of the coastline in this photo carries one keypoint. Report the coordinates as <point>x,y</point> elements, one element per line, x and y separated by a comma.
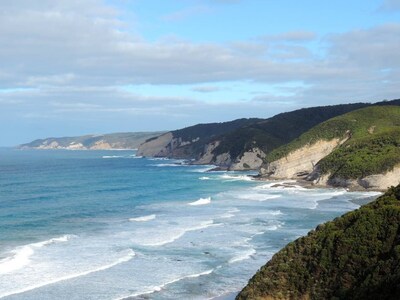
<point>310,185</point>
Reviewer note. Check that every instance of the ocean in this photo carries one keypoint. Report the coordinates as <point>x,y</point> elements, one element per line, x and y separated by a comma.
<point>111,225</point>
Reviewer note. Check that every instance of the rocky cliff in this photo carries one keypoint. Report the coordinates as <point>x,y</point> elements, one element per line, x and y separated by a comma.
<point>356,256</point>
<point>360,149</point>
<point>242,144</point>
<point>302,161</point>
<point>196,142</point>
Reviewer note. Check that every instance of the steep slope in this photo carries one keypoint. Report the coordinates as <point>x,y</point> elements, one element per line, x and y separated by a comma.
<point>356,256</point>
<point>360,148</point>
<point>243,144</point>
<point>128,140</point>
<point>189,142</point>
<point>263,137</point>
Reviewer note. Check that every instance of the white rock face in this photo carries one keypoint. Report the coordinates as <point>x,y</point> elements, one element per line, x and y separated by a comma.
<point>76,146</point>
<point>223,159</point>
<point>301,161</point>
<point>156,147</point>
<point>101,145</point>
<point>375,182</point>
<point>208,156</point>
<point>382,181</point>
<point>250,160</point>
<point>52,145</point>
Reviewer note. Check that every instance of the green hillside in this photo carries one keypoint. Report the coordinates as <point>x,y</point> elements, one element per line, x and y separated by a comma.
<point>239,136</point>
<point>283,128</point>
<point>372,147</point>
<point>356,256</point>
<point>364,156</point>
<point>280,129</point>
<point>204,134</point>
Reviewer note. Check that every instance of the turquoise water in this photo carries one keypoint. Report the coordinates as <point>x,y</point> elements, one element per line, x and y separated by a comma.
<point>110,225</point>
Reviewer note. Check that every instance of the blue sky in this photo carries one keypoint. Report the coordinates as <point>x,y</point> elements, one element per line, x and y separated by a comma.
<point>74,67</point>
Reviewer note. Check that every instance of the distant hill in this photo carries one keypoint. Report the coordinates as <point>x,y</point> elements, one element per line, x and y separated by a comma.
<point>243,144</point>
<point>189,142</point>
<point>128,140</point>
<point>356,256</point>
<point>360,148</point>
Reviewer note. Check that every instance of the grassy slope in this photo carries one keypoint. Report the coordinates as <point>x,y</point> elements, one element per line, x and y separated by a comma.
<point>283,128</point>
<point>280,129</point>
<point>356,256</point>
<point>372,148</point>
<point>241,135</point>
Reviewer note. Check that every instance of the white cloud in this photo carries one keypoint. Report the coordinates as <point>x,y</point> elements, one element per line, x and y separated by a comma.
<point>74,55</point>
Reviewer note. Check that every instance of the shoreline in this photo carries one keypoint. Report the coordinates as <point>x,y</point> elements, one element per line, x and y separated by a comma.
<point>310,185</point>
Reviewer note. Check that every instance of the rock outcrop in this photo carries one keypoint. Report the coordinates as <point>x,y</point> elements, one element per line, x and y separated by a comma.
<point>359,150</point>
<point>379,182</point>
<point>250,160</point>
<point>231,145</point>
<point>158,146</point>
<point>301,162</point>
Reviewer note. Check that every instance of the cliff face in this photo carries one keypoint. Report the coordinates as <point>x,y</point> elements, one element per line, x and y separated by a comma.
<point>250,160</point>
<point>302,161</point>
<point>157,146</point>
<point>356,256</point>
<point>360,150</point>
<point>242,144</point>
<point>195,142</point>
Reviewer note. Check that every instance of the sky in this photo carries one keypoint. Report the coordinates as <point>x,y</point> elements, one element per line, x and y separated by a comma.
<point>74,67</point>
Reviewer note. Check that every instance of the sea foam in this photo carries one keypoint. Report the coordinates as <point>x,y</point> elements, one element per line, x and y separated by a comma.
<point>127,257</point>
<point>201,201</point>
<point>245,255</point>
<point>21,255</point>
<point>143,218</point>
<point>162,286</point>
<point>257,196</point>
<point>229,177</point>
<point>172,236</point>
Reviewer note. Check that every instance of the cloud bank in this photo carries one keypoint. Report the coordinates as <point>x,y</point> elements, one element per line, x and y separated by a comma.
<point>70,60</point>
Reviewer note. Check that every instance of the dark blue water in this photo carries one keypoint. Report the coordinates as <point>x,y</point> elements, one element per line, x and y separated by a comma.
<point>110,225</point>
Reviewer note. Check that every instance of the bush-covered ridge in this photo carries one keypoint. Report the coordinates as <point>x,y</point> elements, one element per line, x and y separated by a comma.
<point>284,128</point>
<point>365,156</point>
<point>356,256</point>
<point>280,129</point>
<point>373,145</point>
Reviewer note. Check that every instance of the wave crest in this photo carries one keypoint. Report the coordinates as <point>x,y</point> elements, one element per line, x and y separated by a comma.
<point>21,255</point>
<point>201,201</point>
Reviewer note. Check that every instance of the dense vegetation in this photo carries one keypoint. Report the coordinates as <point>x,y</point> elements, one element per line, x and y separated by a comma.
<point>280,129</point>
<point>359,124</point>
<point>239,136</point>
<point>210,130</point>
<point>283,128</point>
<point>356,256</point>
<point>364,156</point>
